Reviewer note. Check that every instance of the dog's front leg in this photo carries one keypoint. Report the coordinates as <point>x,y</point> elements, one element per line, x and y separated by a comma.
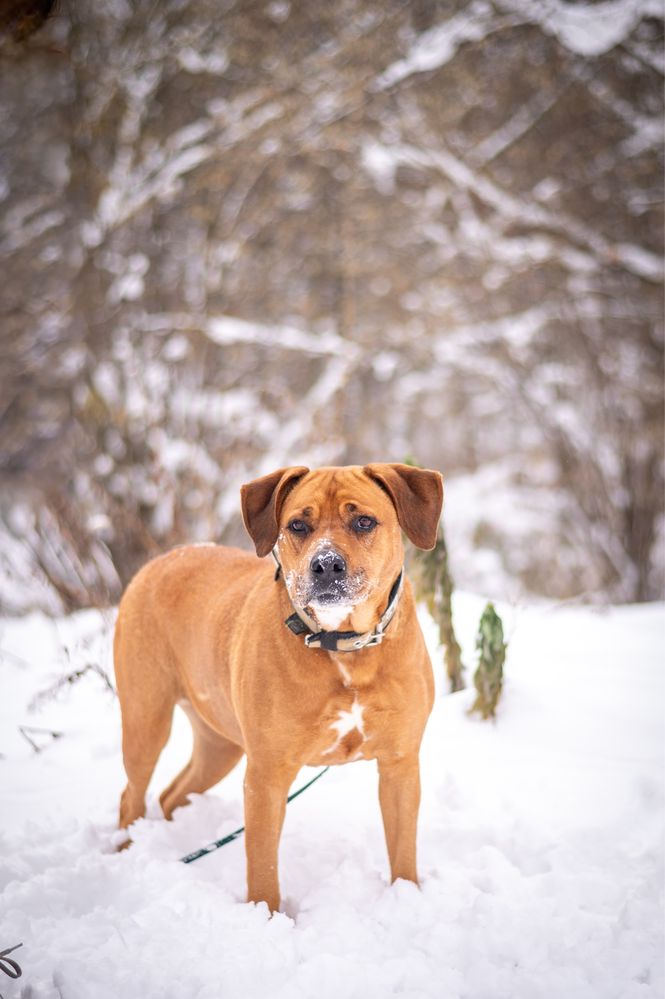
<point>399,795</point>
<point>266,790</point>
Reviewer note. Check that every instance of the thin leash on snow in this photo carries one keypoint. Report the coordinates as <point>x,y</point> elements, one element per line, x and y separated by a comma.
<point>10,967</point>
<point>211,847</point>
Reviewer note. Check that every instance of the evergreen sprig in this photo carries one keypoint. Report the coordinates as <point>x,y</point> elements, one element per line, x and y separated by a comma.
<point>488,678</point>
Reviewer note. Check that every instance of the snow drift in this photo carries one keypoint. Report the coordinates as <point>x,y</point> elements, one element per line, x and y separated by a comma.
<point>540,843</point>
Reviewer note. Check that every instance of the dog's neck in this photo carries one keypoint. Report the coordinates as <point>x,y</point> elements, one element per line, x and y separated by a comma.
<point>302,623</point>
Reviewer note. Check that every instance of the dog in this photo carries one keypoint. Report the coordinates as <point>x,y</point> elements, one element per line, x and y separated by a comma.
<point>321,661</point>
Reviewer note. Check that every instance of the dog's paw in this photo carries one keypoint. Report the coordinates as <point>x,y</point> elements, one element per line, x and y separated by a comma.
<point>120,840</point>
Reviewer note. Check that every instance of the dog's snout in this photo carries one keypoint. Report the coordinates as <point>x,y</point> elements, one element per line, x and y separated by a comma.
<point>327,566</point>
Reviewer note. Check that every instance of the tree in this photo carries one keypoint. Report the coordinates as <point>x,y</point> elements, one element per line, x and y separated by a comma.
<point>431,226</point>
<point>433,584</point>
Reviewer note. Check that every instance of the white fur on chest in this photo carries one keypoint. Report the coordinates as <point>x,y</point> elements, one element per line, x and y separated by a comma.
<point>330,616</point>
<point>346,722</point>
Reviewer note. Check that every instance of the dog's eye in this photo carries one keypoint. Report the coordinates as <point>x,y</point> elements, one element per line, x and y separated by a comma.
<point>298,527</point>
<point>364,523</point>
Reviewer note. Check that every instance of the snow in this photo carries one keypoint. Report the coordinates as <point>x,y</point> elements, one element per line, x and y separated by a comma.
<point>540,837</point>
<point>640,261</point>
<point>194,62</point>
<point>588,29</point>
<point>509,209</point>
<point>380,163</point>
<point>229,329</point>
<point>436,47</point>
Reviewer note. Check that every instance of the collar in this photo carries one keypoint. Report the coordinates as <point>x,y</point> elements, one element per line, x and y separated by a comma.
<point>302,623</point>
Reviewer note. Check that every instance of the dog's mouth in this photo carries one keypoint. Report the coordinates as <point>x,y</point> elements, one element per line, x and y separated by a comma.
<point>333,594</point>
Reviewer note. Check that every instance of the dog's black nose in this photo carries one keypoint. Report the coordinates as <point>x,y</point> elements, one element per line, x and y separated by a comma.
<point>328,566</point>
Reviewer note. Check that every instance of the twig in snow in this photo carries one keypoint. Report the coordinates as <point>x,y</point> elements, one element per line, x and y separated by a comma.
<point>70,678</point>
<point>24,729</point>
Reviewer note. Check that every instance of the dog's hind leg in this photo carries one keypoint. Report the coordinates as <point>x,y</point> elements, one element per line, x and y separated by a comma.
<point>147,700</point>
<point>143,739</point>
<point>213,757</point>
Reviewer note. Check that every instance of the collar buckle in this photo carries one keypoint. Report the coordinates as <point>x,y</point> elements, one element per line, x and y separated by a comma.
<point>374,639</point>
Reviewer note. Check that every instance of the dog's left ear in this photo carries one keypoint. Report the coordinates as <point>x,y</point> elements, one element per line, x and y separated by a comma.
<point>417,495</point>
<point>261,502</point>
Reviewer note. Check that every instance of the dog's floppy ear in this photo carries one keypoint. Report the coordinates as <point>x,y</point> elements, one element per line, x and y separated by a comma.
<point>417,495</point>
<point>261,502</point>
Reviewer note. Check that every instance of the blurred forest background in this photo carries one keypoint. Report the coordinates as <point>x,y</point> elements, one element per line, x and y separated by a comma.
<point>236,235</point>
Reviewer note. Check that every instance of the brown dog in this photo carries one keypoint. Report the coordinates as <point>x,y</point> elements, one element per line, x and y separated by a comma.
<point>347,678</point>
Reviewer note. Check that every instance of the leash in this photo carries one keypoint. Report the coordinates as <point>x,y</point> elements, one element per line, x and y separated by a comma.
<point>10,967</point>
<point>211,847</point>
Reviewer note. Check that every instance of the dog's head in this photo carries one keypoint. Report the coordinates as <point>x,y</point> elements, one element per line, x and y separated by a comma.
<point>337,533</point>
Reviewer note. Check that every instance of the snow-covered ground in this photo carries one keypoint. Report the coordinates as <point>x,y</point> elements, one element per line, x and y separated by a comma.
<point>540,844</point>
